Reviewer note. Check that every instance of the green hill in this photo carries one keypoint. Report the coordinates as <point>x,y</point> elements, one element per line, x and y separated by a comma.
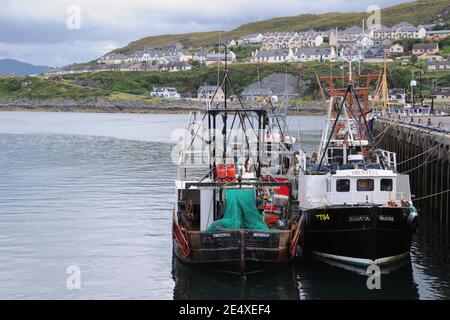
<point>416,12</point>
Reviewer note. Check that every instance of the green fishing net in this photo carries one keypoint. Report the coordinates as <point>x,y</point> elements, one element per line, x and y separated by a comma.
<point>240,212</point>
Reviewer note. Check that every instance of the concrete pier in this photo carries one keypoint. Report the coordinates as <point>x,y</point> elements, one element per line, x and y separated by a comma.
<point>423,151</point>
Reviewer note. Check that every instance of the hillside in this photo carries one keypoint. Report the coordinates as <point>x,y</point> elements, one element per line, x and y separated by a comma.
<point>416,12</point>
<point>11,66</point>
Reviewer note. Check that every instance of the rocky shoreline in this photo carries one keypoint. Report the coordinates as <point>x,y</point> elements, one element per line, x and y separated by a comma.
<point>124,106</point>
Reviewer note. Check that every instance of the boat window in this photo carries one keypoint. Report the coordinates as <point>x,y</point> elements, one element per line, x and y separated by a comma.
<point>365,185</point>
<point>386,185</point>
<point>343,185</point>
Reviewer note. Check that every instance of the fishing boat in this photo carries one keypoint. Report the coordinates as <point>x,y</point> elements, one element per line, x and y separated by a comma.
<point>356,207</point>
<point>236,193</point>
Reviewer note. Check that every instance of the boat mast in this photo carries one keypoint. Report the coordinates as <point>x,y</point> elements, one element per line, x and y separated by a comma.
<point>384,88</point>
<point>225,116</point>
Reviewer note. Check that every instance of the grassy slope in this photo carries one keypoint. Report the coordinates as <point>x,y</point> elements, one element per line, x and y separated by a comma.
<point>135,86</point>
<point>416,12</point>
<point>140,83</point>
<point>40,89</point>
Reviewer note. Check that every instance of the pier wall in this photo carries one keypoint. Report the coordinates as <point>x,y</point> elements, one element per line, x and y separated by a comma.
<point>424,154</point>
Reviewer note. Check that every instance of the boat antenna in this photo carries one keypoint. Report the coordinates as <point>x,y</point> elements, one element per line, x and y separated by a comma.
<point>225,116</point>
<point>286,89</point>
<point>218,64</point>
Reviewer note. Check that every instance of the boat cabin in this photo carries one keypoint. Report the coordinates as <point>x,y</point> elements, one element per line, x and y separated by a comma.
<point>354,187</point>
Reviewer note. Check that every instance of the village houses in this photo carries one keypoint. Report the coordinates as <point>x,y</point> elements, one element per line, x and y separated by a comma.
<point>443,65</point>
<point>315,54</point>
<point>207,93</point>
<point>250,40</point>
<point>420,49</point>
<point>402,30</point>
<point>165,93</point>
<point>441,94</point>
<point>272,56</point>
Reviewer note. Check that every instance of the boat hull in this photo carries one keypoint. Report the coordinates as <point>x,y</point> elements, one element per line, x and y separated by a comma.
<point>359,235</point>
<point>239,252</point>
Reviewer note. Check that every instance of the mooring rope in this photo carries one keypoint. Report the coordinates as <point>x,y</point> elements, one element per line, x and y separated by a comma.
<point>432,148</point>
<point>383,133</point>
<point>422,164</point>
<point>432,195</point>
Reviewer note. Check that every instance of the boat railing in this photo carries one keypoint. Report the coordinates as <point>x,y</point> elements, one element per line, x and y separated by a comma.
<point>390,158</point>
<point>359,198</point>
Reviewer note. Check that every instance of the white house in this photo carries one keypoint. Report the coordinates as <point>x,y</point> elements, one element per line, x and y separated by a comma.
<point>315,54</point>
<point>402,30</point>
<point>200,56</point>
<point>175,66</point>
<point>364,42</point>
<point>165,93</point>
<point>273,56</point>
<point>396,48</point>
<point>219,58</point>
<point>425,48</point>
<point>251,39</point>
<point>397,96</point>
<point>305,39</point>
<point>206,93</point>
<point>112,58</point>
<point>443,65</point>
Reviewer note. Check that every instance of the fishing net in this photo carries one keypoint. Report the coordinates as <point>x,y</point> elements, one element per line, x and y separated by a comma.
<point>240,212</point>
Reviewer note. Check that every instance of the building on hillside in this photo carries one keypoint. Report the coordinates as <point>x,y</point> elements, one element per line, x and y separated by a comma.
<point>402,30</point>
<point>397,96</point>
<point>425,48</point>
<point>200,56</point>
<point>364,42</point>
<point>251,39</point>
<point>219,58</point>
<point>165,93</point>
<point>373,55</point>
<point>315,54</point>
<point>396,49</point>
<point>273,56</point>
<point>441,94</point>
<point>206,93</point>
<point>112,58</point>
<point>175,66</point>
<point>305,39</point>
<point>443,65</point>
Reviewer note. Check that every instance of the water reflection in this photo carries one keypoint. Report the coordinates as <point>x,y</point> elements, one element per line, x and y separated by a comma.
<point>200,283</point>
<point>306,279</point>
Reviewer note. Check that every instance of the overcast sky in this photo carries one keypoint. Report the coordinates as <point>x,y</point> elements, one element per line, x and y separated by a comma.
<point>36,31</point>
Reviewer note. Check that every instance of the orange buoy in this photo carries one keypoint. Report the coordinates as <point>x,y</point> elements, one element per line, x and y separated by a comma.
<point>231,172</point>
<point>221,172</point>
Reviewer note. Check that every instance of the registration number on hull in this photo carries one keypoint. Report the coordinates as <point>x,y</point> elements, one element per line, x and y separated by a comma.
<point>323,217</point>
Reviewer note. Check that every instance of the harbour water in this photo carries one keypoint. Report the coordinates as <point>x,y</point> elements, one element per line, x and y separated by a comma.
<point>96,191</point>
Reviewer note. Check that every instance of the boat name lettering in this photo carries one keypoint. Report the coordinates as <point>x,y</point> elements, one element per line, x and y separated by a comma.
<point>364,173</point>
<point>221,235</point>
<point>386,218</point>
<point>261,235</point>
<point>359,218</point>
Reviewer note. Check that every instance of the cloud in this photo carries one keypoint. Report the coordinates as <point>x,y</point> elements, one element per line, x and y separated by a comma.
<point>5,54</point>
<point>36,30</point>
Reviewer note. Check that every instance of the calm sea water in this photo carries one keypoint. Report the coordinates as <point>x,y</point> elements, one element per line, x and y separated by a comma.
<point>96,191</point>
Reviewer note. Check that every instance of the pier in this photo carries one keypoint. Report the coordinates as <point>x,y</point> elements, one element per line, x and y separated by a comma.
<point>422,145</point>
